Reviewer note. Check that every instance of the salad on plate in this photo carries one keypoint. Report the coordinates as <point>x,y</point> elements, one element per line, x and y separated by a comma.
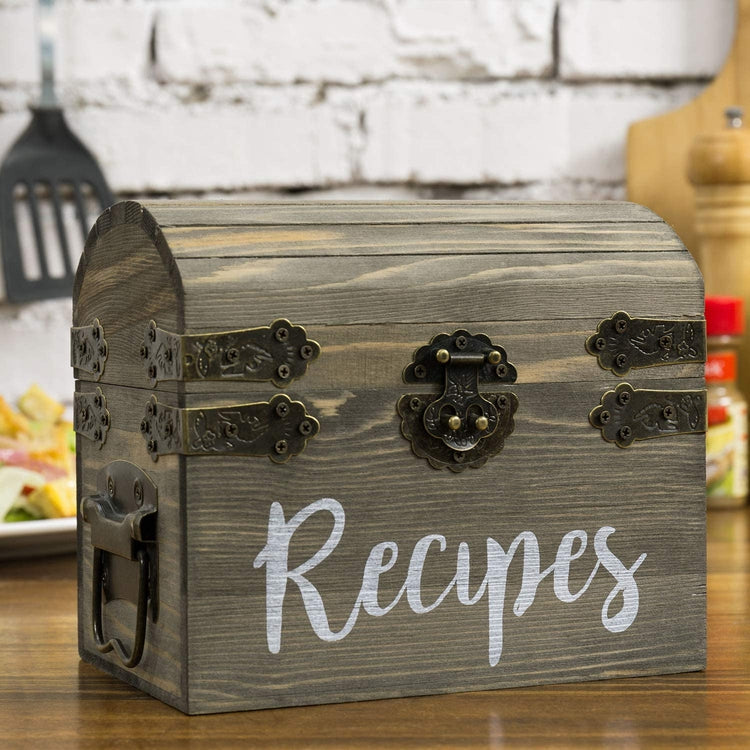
<point>37,459</point>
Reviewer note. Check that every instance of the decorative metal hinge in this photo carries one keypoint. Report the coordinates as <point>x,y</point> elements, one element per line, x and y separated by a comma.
<point>279,353</point>
<point>279,429</point>
<point>90,416</point>
<point>622,343</point>
<point>88,349</point>
<point>459,428</point>
<point>122,516</point>
<point>627,414</point>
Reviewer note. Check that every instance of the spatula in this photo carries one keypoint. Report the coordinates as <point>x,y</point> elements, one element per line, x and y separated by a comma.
<point>47,182</point>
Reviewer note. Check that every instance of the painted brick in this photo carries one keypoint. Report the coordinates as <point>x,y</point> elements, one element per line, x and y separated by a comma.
<point>506,133</point>
<point>103,40</point>
<point>19,53</point>
<point>277,137</point>
<point>347,41</point>
<point>646,39</point>
<point>47,324</point>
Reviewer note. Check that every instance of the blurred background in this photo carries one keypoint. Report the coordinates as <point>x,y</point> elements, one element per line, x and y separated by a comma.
<point>350,100</point>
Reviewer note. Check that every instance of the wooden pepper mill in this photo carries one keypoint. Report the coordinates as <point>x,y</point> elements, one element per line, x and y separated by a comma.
<point>719,168</point>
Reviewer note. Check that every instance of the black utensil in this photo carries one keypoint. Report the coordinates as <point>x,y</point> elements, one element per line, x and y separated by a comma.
<point>48,173</point>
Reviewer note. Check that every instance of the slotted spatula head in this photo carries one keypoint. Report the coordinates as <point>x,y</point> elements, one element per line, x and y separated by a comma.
<point>48,182</point>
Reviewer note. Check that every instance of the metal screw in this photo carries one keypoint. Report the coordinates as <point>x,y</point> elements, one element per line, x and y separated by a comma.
<point>152,372</point>
<point>305,427</point>
<point>420,371</point>
<point>502,400</point>
<point>621,360</point>
<point>283,371</point>
<point>98,401</point>
<point>144,351</point>
<point>461,342</point>
<point>621,325</point>
<point>231,430</point>
<point>84,413</point>
<point>110,486</point>
<point>138,492</point>
<point>282,409</point>
<point>282,334</point>
<point>454,423</point>
<point>151,409</point>
<point>151,446</point>
<point>145,426</point>
<point>459,458</point>
<point>624,397</point>
<point>104,419</point>
<point>605,417</point>
<point>102,350</point>
<point>600,343</point>
<point>152,333</point>
<point>96,333</point>
<point>95,367</point>
<point>668,412</point>
<point>281,447</point>
<point>443,356</point>
<point>306,351</point>
<point>494,357</point>
<point>482,423</point>
<point>415,404</point>
<point>625,432</point>
<point>501,371</point>
<point>665,342</point>
<point>232,355</point>
<point>97,435</point>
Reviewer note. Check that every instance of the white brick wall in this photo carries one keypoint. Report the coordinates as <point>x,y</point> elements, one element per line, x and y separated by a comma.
<point>498,99</point>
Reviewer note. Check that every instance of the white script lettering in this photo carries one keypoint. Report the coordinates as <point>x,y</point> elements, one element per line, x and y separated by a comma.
<point>383,556</point>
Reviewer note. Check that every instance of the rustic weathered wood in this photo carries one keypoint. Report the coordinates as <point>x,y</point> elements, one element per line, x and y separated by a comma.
<point>47,695</point>
<point>370,309</point>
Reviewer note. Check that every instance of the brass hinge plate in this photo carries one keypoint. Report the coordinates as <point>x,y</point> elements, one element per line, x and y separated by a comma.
<point>88,349</point>
<point>622,343</point>
<point>628,414</point>
<point>279,429</point>
<point>279,353</point>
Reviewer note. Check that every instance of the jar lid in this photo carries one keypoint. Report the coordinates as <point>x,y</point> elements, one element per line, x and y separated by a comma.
<point>724,316</point>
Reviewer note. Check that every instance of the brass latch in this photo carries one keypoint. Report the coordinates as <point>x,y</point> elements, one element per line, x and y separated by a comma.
<point>280,353</point>
<point>122,517</point>
<point>461,427</point>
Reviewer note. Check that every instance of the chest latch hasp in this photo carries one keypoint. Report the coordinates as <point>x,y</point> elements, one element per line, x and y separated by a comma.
<point>460,427</point>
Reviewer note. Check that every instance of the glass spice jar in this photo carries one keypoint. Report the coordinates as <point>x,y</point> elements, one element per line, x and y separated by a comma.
<point>726,437</point>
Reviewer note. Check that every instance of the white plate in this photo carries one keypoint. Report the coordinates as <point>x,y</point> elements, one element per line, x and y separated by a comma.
<point>52,536</point>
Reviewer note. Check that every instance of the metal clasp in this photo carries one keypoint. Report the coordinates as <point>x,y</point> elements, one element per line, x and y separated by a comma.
<point>122,517</point>
<point>461,427</point>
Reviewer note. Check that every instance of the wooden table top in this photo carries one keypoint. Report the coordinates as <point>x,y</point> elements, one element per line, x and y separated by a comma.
<point>49,698</point>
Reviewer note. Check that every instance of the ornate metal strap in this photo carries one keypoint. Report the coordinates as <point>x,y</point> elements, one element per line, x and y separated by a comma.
<point>627,414</point>
<point>88,349</point>
<point>279,353</point>
<point>622,343</point>
<point>90,416</point>
<point>279,429</point>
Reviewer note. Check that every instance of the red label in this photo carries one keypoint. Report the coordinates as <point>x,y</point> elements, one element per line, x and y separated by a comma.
<point>721,367</point>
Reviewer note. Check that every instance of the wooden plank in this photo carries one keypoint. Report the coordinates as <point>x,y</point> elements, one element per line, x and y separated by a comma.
<point>357,357</point>
<point>418,239</point>
<point>226,213</point>
<point>657,150</point>
<point>161,671</point>
<point>554,475</point>
<point>221,292</point>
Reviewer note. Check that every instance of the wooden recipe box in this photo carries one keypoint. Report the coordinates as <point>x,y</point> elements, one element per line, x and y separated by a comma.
<point>333,452</point>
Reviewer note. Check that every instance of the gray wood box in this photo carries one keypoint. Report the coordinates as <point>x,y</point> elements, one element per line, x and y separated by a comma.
<point>293,490</point>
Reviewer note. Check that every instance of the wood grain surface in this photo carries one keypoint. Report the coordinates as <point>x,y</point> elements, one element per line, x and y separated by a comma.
<point>49,699</point>
<point>657,150</point>
<point>538,279</point>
